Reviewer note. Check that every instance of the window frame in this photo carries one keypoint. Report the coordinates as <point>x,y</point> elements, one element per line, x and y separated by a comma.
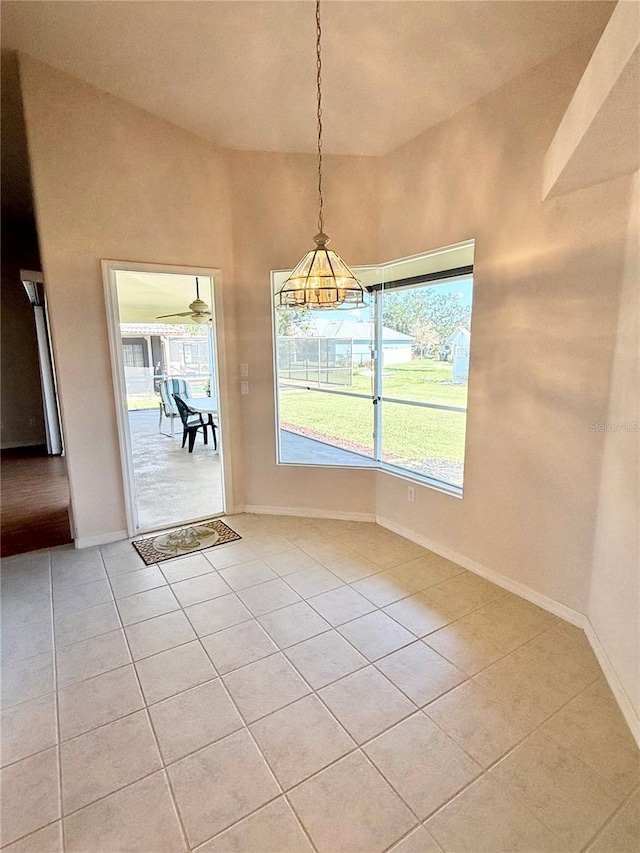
<point>377,397</point>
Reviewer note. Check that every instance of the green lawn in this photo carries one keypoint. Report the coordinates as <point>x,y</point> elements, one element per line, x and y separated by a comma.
<point>135,402</point>
<point>423,379</point>
<point>410,434</point>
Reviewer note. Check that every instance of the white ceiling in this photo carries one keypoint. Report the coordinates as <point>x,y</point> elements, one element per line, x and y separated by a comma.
<point>241,73</point>
<point>143,296</point>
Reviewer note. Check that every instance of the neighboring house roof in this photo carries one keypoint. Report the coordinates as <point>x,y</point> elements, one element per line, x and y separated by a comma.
<point>129,330</point>
<point>353,329</point>
<point>461,330</point>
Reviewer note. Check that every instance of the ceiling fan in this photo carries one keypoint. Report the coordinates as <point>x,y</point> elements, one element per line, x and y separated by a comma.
<point>198,310</point>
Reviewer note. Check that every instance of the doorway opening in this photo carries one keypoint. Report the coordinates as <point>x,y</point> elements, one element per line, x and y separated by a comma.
<point>35,489</point>
<point>165,359</point>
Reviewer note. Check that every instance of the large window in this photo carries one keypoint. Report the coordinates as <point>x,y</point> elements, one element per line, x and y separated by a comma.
<point>384,385</point>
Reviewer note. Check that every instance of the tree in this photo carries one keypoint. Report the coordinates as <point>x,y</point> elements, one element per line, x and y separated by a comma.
<point>294,322</point>
<point>425,338</point>
<point>428,316</point>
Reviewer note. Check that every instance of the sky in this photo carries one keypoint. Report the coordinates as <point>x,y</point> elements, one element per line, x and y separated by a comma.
<point>463,287</point>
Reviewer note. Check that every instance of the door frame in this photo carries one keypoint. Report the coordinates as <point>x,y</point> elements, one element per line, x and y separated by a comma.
<point>109,270</point>
<point>34,284</point>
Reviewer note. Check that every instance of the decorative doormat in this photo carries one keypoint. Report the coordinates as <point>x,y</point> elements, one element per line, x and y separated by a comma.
<point>166,546</point>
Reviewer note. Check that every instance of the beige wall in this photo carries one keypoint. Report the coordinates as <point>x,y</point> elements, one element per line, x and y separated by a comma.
<point>547,281</point>
<point>110,181</point>
<point>614,602</point>
<point>275,213</point>
<point>21,401</point>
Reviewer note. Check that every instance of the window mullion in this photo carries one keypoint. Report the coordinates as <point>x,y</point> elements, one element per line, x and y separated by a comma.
<point>377,378</point>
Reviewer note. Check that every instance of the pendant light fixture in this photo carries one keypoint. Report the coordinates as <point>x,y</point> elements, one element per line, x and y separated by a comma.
<point>321,279</point>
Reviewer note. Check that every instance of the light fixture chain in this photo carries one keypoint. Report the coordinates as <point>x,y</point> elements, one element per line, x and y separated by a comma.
<point>319,78</point>
<point>321,280</point>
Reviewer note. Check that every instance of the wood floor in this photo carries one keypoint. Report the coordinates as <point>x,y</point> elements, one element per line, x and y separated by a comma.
<point>35,501</point>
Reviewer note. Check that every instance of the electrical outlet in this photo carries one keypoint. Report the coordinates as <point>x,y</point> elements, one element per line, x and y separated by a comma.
<point>244,369</point>
<point>32,422</point>
<point>244,387</point>
<point>411,494</point>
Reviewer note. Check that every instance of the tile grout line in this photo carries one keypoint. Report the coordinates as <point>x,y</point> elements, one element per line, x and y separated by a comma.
<point>108,578</point>
<point>360,747</point>
<point>248,730</point>
<point>217,676</point>
<point>407,834</point>
<point>234,705</point>
<point>369,662</point>
<point>7,847</point>
<point>483,771</point>
<point>300,823</point>
<point>240,820</point>
<point>153,731</point>
<point>634,791</point>
<point>416,639</point>
<point>601,677</point>
<point>53,693</point>
<point>103,797</point>
<point>463,790</point>
<point>357,746</point>
<point>486,771</point>
<point>56,705</point>
<point>497,660</point>
<point>283,649</point>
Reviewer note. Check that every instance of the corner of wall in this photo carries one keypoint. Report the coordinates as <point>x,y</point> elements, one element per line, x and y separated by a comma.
<point>614,594</point>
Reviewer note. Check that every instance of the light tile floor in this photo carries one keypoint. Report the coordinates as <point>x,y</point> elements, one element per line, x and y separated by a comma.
<point>319,686</point>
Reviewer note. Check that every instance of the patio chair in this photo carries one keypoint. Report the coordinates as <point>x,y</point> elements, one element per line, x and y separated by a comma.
<point>168,408</point>
<point>191,423</point>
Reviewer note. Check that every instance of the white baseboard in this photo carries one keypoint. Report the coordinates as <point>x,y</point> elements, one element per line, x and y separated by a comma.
<point>308,513</point>
<point>546,603</point>
<point>100,539</point>
<point>543,601</point>
<point>617,688</point>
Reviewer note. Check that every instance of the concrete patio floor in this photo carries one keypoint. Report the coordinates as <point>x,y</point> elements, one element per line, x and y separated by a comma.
<point>173,486</point>
<point>299,449</point>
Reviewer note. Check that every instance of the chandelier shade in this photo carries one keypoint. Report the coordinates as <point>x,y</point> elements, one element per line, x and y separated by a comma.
<point>321,279</point>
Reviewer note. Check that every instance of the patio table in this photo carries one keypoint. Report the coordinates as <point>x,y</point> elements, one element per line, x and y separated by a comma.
<point>208,407</point>
<point>202,405</point>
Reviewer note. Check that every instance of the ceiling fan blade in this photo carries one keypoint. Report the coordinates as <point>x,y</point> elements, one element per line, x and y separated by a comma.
<point>183,314</point>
